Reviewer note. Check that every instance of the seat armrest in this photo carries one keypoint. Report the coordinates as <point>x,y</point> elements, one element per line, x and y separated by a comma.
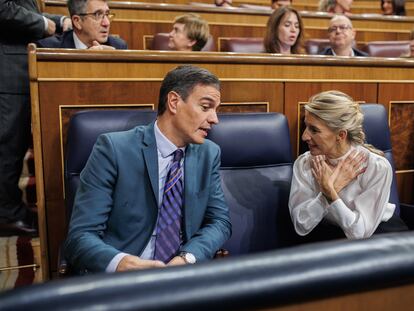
<point>407,214</point>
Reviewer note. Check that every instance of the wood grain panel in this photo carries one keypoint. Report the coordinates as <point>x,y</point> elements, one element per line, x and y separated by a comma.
<point>392,298</point>
<point>389,93</point>
<point>401,117</point>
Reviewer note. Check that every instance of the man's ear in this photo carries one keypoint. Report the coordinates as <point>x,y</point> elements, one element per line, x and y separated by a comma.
<point>172,102</point>
<point>76,22</point>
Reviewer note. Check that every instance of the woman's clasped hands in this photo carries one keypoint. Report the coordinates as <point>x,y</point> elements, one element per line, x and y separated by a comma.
<point>332,179</point>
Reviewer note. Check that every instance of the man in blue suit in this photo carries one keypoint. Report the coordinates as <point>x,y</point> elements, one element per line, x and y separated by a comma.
<point>91,20</point>
<point>115,223</point>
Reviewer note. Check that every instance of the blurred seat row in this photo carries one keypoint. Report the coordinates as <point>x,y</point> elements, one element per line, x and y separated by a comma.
<point>312,46</point>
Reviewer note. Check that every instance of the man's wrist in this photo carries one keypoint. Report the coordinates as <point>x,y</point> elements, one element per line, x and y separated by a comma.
<point>188,257</point>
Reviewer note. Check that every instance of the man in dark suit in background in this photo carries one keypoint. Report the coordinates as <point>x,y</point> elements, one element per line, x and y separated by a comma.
<point>152,196</point>
<point>91,21</point>
<point>21,23</point>
<point>342,38</point>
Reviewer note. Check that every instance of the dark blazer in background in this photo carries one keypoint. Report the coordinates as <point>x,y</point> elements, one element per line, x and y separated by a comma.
<point>328,51</point>
<point>21,23</point>
<point>65,41</point>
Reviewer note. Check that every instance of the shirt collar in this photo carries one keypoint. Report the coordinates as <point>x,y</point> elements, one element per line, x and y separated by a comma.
<point>164,145</point>
<point>352,52</point>
<point>78,43</point>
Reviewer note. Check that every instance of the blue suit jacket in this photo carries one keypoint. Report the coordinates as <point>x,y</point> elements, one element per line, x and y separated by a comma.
<point>116,205</point>
<point>65,41</point>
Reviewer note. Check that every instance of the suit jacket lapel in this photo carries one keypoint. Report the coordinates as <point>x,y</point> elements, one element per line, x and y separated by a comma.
<point>190,182</point>
<point>151,158</point>
<point>67,40</point>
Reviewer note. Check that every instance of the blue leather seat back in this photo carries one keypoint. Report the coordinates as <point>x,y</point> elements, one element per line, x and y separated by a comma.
<point>84,128</point>
<point>378,134</point>
<point>256,172</point>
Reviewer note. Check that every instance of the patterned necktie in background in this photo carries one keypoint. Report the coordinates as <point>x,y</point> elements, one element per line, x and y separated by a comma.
<point>167,242</point>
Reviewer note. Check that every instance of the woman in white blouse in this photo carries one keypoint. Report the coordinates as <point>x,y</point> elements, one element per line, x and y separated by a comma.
<point>341,185</point>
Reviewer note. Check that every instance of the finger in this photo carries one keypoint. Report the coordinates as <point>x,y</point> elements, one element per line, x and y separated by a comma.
<point>360,171</point>
<point>314,174</point>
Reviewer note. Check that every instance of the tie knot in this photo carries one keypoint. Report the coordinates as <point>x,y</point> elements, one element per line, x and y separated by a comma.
<point>178,155</point>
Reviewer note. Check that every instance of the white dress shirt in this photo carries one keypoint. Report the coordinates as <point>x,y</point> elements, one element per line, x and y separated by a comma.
<point>361,206</point>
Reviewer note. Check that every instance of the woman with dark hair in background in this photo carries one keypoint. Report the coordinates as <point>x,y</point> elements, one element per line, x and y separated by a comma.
<point>393,7</point>
<point>284,32</point>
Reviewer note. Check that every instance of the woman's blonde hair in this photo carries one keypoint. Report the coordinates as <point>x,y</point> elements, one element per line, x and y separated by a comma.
<point>340,112</point>
<point>196,27</point>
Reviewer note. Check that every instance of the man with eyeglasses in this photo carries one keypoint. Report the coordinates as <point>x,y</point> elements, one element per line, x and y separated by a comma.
<point>342,38</point>
<point>91,21</point>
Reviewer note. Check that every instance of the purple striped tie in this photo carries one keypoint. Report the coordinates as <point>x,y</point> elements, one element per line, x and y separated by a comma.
<point>167,242</point>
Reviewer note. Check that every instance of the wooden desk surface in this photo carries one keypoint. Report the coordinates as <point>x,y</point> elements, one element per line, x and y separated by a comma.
<point>65,81</point>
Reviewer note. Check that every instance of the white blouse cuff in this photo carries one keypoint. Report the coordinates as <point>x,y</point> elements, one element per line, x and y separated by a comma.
<point>342,214</point>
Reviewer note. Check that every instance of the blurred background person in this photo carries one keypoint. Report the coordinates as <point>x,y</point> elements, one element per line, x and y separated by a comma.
<point>190,33</point>
<point>341,36</point>
<point>284,32</point>
<point>393,7</point>
<point>21,23</point>
<point>335,6</point>
<point>275,4</point>
<point>223,3</point>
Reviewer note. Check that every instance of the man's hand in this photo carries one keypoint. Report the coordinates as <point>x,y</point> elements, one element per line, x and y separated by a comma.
<point>51,28</point>
<point>97,46</point>
<point>67,24</point>
<point>177,261</point>
<point>130,262</point>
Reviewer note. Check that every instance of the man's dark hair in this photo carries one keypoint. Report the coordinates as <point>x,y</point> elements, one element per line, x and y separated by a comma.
<point>77,7</point>
<point>182,80</point>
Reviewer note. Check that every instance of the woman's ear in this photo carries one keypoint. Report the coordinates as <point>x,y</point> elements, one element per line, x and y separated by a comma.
<point>342,135</point>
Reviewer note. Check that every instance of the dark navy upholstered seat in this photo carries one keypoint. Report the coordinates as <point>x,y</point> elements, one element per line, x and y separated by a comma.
<point>256,171</point>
